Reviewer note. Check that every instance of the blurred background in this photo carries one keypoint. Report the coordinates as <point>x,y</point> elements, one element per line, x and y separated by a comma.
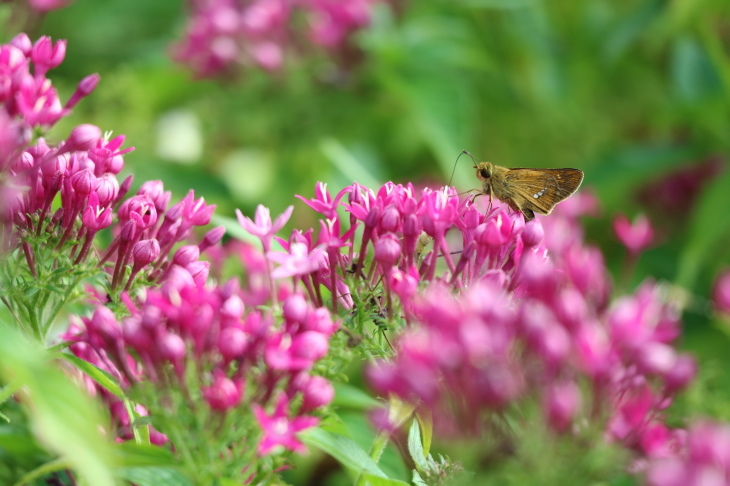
<point>636,93</point>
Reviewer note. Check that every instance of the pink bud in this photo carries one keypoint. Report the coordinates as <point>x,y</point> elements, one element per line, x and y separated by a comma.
<point>185,255</point>
<point>85,87</point>
<point>310,345</point>
<point>124,187</point>
<point>171,346</point>
<point>232,343</point>
<point>320,320</point>
<point>199,271</point>
<point>295,308</point>
<point>53,165</point>
<point>82,138</point>
<point>223,394</point>
<point>533,233</point>
<point>22,42</point>
<point>212,238</point>
<point>233,307</point>
<point>318,392</point>
<point>83,182</point>
<point>145,252</point>
<point>681,374</point>
<point>388,250</point>
<point>390,220</point>
<point>107,189</point>
<point>562,402</point>
<point>156,192</point>
<point>105,324</point>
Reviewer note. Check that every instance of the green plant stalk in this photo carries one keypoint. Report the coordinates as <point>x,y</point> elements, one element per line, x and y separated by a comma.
<point>376,452</point>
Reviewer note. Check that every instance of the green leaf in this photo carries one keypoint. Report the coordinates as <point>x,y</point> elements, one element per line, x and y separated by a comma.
<point>346,161</point>
<point>141,455</point>
<point>104,379</point>
<point>40,471</point>
<point>350,396</point>
<point>425,420</point>
<point>415,447</point>
<point>707,230</point>
<point>65,418</point>
<point>349,454</point>
<point>153,476</point>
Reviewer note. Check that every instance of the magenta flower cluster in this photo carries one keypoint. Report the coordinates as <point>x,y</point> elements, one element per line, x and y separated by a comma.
<point>204,341</point>
<point>83,170</point>
<point>502,311</point>
<point>223,34</point>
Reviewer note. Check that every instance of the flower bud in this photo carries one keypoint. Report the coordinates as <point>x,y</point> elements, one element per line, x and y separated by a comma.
<point>295,308</point>
<point>310,345</point>
<point>533,233</point>
<point>212,238</point>
<point>83,182</point>
<point>185,255</point>
<point>223,394</point>
<point>390,220</point>
<point>82,138</point>
<point>145,252</point>
<point>562,402</point>
<point>318,392</point>
<point>171,346</point>
<point>232,343</point>
<point>388,250</point>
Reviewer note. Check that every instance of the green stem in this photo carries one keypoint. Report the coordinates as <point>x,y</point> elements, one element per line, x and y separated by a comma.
<point>59,305</point>
<point>376,451</point>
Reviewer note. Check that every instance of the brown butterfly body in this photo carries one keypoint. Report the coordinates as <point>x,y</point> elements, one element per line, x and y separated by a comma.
<point>529,191</point>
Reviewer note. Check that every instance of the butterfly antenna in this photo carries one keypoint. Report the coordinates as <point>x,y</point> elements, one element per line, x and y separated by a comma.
<point>457,161</point>
<point>470,155</point>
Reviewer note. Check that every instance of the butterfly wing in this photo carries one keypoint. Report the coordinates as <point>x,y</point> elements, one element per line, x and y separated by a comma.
<point>540,190</point>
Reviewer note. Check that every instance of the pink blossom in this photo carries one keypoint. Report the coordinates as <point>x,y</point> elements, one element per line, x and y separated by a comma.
<point>636,236</point>
<point>262,227</point>
<point>279,430</point>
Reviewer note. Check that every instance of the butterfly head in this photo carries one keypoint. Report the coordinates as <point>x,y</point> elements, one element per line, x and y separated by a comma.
<point>484,170</point>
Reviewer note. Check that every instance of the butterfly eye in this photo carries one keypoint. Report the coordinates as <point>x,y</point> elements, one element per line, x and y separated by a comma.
<point>485,173</point>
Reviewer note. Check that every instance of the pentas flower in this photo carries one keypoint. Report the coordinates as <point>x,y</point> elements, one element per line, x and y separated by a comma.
<point>225,35</point>
<point>699,456</point>
<point>192,339</point>
<point>279,429</point>
<point>636,236</point>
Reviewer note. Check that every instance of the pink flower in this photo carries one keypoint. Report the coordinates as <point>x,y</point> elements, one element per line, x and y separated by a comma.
<point>223,394</point>
<point>298,262</point>
<point>636,236</point>
<point>721,293</point>
<point>279,430</point>
<point>262,227</point>
<point>323,202</point>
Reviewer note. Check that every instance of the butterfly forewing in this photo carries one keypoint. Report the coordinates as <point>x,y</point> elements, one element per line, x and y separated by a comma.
<point>541,189</point>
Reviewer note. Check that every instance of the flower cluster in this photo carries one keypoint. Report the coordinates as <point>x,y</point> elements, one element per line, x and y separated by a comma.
<point>503,312</point>
<point>222,34</point>
<point>701,455</point>
<point>57,198</point>
<point>199,346</point>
